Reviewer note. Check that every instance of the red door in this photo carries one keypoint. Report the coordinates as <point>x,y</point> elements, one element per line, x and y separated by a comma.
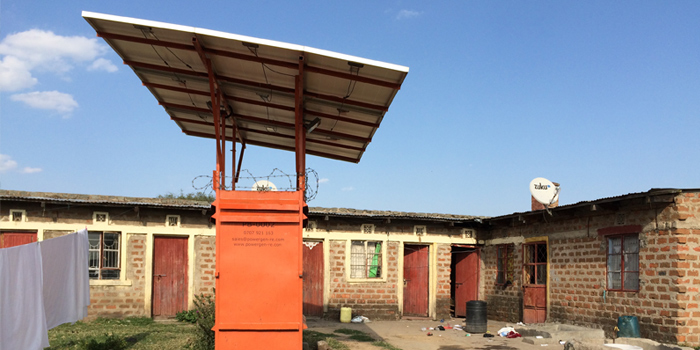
<point>466,280</point>
<point>12,239</point>
<point>415,277</point>
<point>169,275</point>
<point>535,282</point>
<point>313,278</point>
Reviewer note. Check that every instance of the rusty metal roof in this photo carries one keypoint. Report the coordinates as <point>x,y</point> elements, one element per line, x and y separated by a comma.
<point>85,199</point>
<point>349,95</point>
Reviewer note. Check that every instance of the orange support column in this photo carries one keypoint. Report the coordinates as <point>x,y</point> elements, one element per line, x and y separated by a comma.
<point>259,270</point>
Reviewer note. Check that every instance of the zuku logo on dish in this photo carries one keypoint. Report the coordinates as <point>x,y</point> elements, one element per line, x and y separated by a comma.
<point>541,187</point>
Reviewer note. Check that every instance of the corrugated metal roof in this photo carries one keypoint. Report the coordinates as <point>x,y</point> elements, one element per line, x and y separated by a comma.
<point>390,214</point>
<point>634,195</point>
<point>102,200</point>
<point>350,95</point>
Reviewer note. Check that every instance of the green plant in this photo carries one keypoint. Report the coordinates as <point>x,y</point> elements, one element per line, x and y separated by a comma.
<point>189,316</point>
<point>204,312</point>
<point>362,337</point>
<point>348,331</point>
<point>385,345</point>
<point>109,342</point>
<point>336,344</point>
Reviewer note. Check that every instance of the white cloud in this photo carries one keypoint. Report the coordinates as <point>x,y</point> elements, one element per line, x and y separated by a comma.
<point>324,180</point>
<point>7,163</point>
<point>346,189</point>
<point>407,14</point>
<point>28,170</point>
<point>15,74</point>
<point>51,100</point>
<point>103,64</point>
<point>44,51</point>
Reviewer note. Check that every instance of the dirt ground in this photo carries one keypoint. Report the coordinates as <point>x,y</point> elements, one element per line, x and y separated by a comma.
<point>408,335</point>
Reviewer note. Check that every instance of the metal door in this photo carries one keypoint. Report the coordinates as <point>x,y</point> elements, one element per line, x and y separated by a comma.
<point>535,282</point>
<point>313,278</point>
<point>466,280</point>
<point>12,239</point>
<point>169,275</point>
<point>415,277</point>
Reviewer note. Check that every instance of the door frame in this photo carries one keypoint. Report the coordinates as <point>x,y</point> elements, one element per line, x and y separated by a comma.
<point>324,272</point>
<point>475,250</point>
<point>545,241</point>
<point>429,281</point>
<point>189,292</point>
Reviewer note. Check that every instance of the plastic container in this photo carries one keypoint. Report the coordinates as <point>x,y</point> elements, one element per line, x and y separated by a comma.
<point>628,327</point>
<point>476,317</point>
<point>345,314</point>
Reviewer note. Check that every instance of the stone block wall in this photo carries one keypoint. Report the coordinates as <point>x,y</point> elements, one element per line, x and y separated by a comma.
<point>502,302</point>
<point>123,300</point>
<point>375,300</point>
<point>205,264</point>
<point>666,304</point>
<point>443,297</point>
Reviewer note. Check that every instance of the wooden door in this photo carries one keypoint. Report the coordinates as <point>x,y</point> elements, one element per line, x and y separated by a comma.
<point>169,275</point>
<point>13,239</point>
<point>466,280</point>
<point>313,278</point>
<point>415,277</point>
<point>535,282</point>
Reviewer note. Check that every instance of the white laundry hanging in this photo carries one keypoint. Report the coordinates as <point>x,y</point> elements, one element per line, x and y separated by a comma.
<point>42,285</point>
<point>22,317</point>
<point>66,283</point>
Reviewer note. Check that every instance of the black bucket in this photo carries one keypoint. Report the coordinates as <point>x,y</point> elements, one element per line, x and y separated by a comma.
<point>476,317</point>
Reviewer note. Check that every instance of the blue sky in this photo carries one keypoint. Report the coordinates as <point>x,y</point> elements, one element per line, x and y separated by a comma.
<point>602,97</point>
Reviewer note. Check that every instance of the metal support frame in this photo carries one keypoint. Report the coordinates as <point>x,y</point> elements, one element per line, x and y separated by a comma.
<point>299,132</point>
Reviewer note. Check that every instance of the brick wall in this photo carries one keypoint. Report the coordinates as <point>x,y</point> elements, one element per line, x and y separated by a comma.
<point>666,304</point>
<point>443,297</point>
<point>123,300</point>
<point>205,264</point>
<point>502,302</point>
<point>375,300</point>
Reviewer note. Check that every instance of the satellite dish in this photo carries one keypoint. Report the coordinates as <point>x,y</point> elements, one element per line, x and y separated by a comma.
<point>544,191</point>
<point>264,186</point>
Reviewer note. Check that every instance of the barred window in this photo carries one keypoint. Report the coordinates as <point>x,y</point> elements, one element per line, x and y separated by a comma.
<point>623,262</point>
<point>366,259</point>
<point>104,258</point>
<point>505,263</point>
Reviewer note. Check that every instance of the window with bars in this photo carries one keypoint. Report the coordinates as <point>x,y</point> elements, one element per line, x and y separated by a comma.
<point>17,215</point>
<point>367,228</point>
<point>535,264</point>
<point>623,262</point>
<point>505,263</point>
<point>365,259</point>
<point>104,259</point>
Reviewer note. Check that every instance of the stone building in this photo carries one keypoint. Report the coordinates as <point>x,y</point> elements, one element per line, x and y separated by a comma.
<point>586,263</point>
<point>149,257</point>
<point>589,263</point>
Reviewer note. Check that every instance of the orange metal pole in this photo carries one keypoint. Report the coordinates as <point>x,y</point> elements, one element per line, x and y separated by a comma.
<point>299,131</point>
<point>214,106</point>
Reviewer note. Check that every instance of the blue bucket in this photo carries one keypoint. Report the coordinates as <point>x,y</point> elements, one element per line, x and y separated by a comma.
<point>628,327</point>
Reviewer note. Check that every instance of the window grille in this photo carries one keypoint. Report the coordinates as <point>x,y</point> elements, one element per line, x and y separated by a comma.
<point>173,220</point>
<point>505,264</point>
<point>100,218</point>
<point>104,255</point>
<point>17,215</point>
<point>419,230</point>
<point>368,228</point>
<point>365,259</point>
<point>623,263</point>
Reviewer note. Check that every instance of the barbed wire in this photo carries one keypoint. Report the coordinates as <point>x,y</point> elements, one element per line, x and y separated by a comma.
<point>204,183</point>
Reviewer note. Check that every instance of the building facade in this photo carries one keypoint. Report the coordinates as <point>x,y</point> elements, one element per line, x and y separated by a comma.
<point>585,264</point>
